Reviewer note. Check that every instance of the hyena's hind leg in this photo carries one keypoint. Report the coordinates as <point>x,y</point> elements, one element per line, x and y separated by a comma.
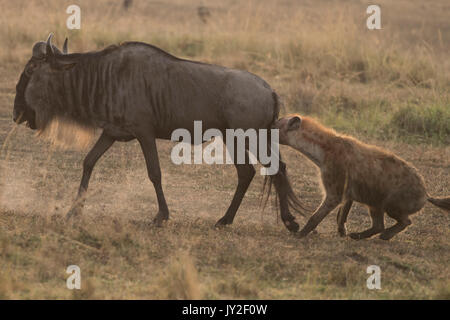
<point>342,217</point>
<point>402,223</point>
<point>377,216</point>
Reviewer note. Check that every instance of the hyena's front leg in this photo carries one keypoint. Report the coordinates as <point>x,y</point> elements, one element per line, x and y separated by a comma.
<point>325,208</point>
<point>342,217</point>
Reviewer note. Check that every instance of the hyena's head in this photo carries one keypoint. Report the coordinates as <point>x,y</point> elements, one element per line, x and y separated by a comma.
<point>288,127</point>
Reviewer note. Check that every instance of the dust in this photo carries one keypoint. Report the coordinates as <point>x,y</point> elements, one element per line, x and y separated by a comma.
<point>22,188</point>
<point>16,192</point>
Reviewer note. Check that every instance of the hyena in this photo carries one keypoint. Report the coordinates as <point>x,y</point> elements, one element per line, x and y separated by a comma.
<point>354,171</point>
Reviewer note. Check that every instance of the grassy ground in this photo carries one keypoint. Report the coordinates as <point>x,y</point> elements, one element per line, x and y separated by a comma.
<point>389,87</point>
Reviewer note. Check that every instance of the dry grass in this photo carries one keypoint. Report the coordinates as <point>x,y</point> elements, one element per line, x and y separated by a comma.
<point>122,256</point>
<point>389,87</point>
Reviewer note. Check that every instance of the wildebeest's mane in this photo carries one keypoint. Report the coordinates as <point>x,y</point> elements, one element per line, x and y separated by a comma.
<point>78,57</point>
<point>115,47</point>
<point>159,50</point>
<point>90,54</point>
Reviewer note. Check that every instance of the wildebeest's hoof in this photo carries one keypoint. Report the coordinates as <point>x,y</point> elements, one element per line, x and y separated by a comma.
<point>222,222</point>
<point>160,219</point>
<point>74,212</point>
<point>342,232</point>
<point>159,222</point>
<point>291,225</point>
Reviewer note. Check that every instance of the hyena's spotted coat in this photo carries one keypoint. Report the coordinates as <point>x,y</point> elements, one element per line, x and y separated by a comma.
<point>354,171</point>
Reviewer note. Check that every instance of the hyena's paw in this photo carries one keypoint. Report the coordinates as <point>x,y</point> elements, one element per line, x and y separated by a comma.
<point>386,236</point>
<point>291,225</point>
<point>355,236</point>
<point>342,232</point>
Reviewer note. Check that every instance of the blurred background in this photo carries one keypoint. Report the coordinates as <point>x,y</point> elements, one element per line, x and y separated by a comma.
<point>318,54</point>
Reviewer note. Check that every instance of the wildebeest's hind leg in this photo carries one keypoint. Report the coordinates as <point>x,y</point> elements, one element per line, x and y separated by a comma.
<point>245,173</point>
<point>377,216</point>
<point>148,145</point>
<point>342,217</point>
<point>100,147</point>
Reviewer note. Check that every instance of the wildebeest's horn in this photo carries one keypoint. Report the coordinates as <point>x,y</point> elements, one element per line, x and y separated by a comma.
<point>49,48</point>
<point>65,46</point>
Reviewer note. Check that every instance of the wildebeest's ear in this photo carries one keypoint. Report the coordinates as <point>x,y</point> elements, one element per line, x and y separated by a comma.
<point>294,123</point>
<point>65,46</point>
<point>39,50</point>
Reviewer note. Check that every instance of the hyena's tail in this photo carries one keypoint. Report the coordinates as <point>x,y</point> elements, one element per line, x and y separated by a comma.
<point>443,203</point>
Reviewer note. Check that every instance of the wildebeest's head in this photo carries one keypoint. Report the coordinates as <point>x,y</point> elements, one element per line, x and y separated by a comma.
<point>30,100</point>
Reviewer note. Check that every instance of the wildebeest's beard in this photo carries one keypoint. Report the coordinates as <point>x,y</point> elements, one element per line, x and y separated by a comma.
<point>56,123</point>
<point>66,132</point>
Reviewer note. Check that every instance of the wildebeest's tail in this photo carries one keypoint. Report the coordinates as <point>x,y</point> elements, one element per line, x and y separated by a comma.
<point>280,180</point>
<point>276,106</point>
<point>285,187</point>
<point>443,203</point>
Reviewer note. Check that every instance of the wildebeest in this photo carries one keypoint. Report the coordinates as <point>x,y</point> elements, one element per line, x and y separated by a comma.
<point>137,91</point>
<point>354,171</point>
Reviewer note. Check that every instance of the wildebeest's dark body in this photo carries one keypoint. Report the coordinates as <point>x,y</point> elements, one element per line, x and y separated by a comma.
<point>135,90</point>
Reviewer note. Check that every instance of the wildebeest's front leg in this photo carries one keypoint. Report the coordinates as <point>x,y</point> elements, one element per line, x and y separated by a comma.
<point>325,208</point>
<point>148,145</point>
<point>100,147</point>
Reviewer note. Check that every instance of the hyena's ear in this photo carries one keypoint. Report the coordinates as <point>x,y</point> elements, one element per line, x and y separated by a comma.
<point>294,123</point>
